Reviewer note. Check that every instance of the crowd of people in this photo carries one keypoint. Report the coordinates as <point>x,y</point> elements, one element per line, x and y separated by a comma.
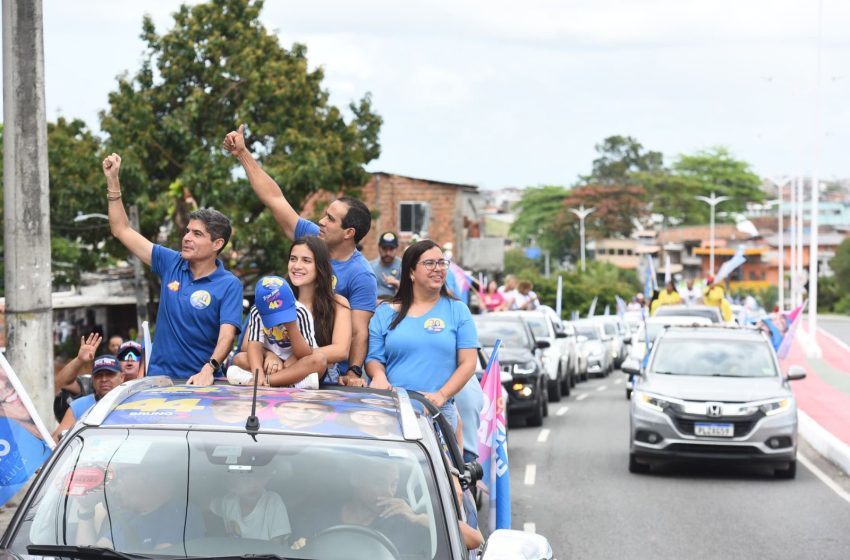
<point>712,294</point>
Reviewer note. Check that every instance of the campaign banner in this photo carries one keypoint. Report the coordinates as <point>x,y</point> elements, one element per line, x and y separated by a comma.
<point>25,443</point>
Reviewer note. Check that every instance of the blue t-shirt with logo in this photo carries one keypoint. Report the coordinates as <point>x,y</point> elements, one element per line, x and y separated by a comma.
<point>421,352</point>
<point>191,313</point>
<point>81,405</point>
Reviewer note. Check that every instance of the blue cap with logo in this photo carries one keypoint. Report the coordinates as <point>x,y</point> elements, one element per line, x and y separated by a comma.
<point>274,300</point>
<point>106,363</point>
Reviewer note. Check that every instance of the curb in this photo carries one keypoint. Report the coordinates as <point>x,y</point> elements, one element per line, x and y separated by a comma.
<point>832,448</point>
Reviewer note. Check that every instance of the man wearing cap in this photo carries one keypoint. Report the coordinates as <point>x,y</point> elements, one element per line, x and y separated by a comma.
<point>346,221</point>
<point>387,266</point>
<point>131,355</point>
<point>106,375</point>
<point>200,304</point>
<point>280,340</point>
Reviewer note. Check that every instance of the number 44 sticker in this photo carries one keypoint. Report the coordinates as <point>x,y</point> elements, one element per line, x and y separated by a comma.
<point>157,404</point>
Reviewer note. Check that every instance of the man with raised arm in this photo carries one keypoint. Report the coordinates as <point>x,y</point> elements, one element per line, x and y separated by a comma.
<point>346,221</point>
<point>200,304</point>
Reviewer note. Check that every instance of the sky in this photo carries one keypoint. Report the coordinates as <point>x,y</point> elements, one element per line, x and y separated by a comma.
<point>502,93</point>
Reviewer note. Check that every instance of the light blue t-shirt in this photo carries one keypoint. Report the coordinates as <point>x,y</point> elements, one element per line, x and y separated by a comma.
<point>421,352</point>
<point>80,405</point>
<point>190,314</point>
<point>394,269</point>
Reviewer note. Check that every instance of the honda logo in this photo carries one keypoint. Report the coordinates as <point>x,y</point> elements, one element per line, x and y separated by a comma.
<point>714,409</point>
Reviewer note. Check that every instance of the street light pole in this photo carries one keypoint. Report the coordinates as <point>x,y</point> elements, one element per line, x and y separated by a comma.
<point>582,213</point>
<point>712,201</point>
<point>780,189</point>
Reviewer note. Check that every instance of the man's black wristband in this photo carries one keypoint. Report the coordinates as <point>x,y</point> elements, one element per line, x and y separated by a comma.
<point>356,369</point>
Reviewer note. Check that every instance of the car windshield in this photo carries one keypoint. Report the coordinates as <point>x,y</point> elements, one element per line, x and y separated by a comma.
<point>713,357</point>
<point>610,328</point>
<point>590,332</point>
<point>181,493</point>
<point>707,313</point>
<point>511,333</point>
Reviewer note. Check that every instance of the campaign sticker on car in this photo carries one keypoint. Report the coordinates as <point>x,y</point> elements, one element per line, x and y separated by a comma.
<point>714,430</point>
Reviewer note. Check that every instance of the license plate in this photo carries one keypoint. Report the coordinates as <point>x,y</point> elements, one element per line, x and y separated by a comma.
<point>714,430</point>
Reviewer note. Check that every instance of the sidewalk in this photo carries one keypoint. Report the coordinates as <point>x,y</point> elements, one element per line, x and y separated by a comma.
<point>823,397</point>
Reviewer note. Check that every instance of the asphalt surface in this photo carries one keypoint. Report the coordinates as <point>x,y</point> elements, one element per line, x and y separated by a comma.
<point>584,500</point>
<point>837,326</point>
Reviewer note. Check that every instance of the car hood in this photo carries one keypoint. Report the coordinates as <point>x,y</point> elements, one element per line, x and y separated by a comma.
<point>702,388</point>
<point>511,355</point>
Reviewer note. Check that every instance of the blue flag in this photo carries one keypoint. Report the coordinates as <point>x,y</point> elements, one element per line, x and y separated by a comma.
<point>25,443</point>
<point>493,444</point>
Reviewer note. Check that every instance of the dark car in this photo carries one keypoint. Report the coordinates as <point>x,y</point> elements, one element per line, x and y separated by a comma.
<point>519,355</point>
<point>162,471</point>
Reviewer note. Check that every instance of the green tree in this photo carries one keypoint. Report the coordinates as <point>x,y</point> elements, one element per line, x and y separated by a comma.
<point>616,206</point>
<point>620,157</point>
<point>216,68</point>
<point>840,264</point>
<point>537,212</point>
<point>716,170</point>
<point>672,197</point>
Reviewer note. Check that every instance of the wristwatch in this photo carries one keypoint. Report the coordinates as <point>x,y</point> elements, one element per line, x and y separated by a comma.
<point>216,365</point>
<point>356,369</point>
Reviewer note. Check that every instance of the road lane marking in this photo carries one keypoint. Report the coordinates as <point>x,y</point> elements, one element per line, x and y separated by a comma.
<point>824,477</point>
<point>544,435</point>
<point>561,411</point>
<point>581,397</point>
<point>601,387</point>
<point>617,381</point>
<point>530,474</point>
<point>529,527</point>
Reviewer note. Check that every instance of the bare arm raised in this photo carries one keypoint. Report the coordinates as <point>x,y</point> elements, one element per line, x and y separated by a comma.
<point>135,242</point>
<point>267,190</point>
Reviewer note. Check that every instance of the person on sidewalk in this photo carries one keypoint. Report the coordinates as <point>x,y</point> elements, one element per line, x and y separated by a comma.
<point>345,223</point>
<point>387,267</point>
<point>106,375</point>
<point>200,306</point>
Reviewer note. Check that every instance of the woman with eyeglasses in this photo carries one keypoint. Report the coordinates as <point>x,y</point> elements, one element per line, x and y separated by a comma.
<point>423,339</point>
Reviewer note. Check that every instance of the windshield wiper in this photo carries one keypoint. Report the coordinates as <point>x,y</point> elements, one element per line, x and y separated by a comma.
<point>83,552</point>
<point>668,373</point>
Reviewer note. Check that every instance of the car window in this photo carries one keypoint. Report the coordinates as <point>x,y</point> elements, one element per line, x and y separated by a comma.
<point>511,333</point>
<point>610,328</point>
<point>712,357</point>
<point>538,327</point>
<point>590,332</point>
<point>182,493</point>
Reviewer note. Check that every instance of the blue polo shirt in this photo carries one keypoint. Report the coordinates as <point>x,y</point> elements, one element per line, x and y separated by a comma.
<point>354,278</point>
<point>190,314</point>
<point>81,405</point>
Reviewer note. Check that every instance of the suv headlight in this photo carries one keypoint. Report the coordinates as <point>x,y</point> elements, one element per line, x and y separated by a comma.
<point>651,402</point>
<point>527,367</point>
<point>775,407</point>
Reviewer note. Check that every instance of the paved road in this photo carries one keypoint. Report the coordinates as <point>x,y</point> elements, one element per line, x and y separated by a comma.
<point>837,326</point>
<point>589,506</point>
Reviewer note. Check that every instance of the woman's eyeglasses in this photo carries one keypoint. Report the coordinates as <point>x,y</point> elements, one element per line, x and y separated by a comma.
<point>431,264</point>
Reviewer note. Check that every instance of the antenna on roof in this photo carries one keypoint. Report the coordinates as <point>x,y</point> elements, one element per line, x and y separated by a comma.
<point>252,425</point>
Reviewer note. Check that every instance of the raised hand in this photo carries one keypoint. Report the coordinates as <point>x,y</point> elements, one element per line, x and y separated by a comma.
<point>234,142</point>
<point>88,347</point>
<point>111,166</point>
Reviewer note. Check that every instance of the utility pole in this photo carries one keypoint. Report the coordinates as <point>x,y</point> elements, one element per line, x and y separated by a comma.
<point>712,201</point>
<point>582,213</point>
<point>29,308</point>
<point>139,283</point>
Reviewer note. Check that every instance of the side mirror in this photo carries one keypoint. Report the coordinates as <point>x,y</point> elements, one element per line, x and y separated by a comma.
<point>561,334</point>
<point>627,339</point>
<point>796,372</point>
<point>517,545</point>
<point>543,344</point>
<point>631,366</point>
